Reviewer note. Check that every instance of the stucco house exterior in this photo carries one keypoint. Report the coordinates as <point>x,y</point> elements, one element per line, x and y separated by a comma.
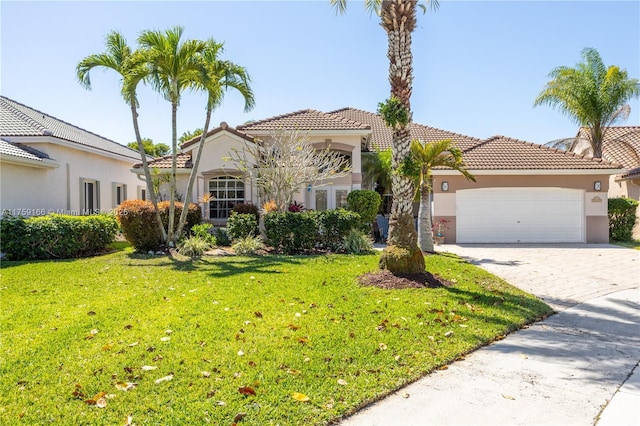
<point>50,166</point>
<point>524,192</point>
<point>621,145</point>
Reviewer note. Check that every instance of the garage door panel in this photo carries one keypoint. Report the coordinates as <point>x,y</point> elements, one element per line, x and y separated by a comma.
<point>526,215</point>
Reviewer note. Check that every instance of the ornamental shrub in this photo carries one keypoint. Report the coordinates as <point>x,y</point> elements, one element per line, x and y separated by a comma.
<point>622,218</point>
<point>138,221</point>
<point>222,237</point>
<point>248,245</point>
<point>193,246</point>
<point>356,242</point>
<point>334,225</point>
<point>56,236</point>
<point>242,225</point>
<point>366,203</point>
<point>204,232</point>
<point>244,208</point>
<point>291,233</point>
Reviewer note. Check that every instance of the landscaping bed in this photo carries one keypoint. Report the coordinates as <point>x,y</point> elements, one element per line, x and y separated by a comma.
<point>254,340</point>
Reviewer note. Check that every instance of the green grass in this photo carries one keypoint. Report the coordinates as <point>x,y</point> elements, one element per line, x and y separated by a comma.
<point>634,244</point>
<point>302,323</point>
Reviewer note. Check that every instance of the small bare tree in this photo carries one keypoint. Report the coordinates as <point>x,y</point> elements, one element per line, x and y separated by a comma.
<point>286,162</point>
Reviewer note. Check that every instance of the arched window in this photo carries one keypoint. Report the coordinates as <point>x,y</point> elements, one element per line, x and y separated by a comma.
<point>226,192</point>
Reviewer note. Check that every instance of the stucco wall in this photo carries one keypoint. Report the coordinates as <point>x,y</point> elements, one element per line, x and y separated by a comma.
<point>59,189</point>
<point>595,202</point>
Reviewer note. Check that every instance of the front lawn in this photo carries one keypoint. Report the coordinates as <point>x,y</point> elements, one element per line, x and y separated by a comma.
<point>224,340</point>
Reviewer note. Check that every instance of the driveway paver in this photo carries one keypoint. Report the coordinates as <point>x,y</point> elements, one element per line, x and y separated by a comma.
<point>559,371</point>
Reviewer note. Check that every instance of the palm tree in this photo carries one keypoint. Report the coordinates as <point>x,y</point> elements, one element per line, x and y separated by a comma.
<point>398,19</point>
<point>131,66</point>
<point>429,155</point>
<point>215,77</point>
<point>174,66</point>
<point>593,95</point>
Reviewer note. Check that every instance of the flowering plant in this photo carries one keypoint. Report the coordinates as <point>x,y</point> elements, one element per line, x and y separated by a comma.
<point>440,226</point>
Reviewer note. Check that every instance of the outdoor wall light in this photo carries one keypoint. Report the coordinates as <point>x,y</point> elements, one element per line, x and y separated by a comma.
<point>597,185</point>
<point>445,186</point>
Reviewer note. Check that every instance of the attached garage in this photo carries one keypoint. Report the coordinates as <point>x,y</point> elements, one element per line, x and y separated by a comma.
<point>520,215</point>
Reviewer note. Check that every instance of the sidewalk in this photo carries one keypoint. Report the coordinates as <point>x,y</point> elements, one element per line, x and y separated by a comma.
<point>578,367</point>
<point>560,371</point>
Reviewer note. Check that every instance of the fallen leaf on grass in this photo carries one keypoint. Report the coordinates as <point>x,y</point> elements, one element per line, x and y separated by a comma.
<point>98,397</point>
<point>128,421</point>
<point>246,390</point>
<point>300,397</point>
<point>106,347</point>
<point>101,403</point>
<point>293,327</point>
<point>133,344</point>
<point>382,346</point>
<point>148,367</point>
<point>125,386</point>
<point>206,374</point>
<point>294,372</point>
<point>239,417</point>
<point>165,339</point>
<point>342,382</point>
<point>164,379</point>
<point>303,340</point>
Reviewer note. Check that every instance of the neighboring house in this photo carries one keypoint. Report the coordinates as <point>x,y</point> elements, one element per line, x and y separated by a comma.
<point>48,165</point>
<point>621,145</point>
<point>524,192</point>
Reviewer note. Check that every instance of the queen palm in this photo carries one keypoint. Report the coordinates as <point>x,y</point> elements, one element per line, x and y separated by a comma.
<point>429,155</point>
<point>593,95</point>
<point>131,66</point>
<point>398,19</point>
<point>215,77</point>
<point>174,66</point>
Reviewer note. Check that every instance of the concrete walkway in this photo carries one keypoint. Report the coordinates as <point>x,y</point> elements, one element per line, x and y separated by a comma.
<point>560,371</point>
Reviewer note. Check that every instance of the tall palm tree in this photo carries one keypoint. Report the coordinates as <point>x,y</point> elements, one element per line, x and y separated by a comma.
<point>429,155</point>
<point>398,19</point>
<point>593,95</point>
<point>131,66</point>
<point>215,77</point>
<point>174,66</point>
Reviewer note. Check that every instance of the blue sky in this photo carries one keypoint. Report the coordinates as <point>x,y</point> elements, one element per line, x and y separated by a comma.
<point>478,65</point>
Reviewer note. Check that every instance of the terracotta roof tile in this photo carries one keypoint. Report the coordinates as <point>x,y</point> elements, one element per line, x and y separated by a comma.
<point>382,135</point>
<point>632,174</point>
<point>621,145</point>
<point>504,153</point>
<point>17,119</point>
<point>223,127</point>
<point>307,119</point>
<point>183,161</point>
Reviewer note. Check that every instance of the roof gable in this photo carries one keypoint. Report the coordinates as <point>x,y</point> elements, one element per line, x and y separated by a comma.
<point>224,127</point>
<point>20,120</point>
<point>308,119</point>
<point>621,144</point>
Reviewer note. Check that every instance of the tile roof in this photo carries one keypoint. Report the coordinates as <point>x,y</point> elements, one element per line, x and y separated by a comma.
<point>183,161</point>
<point>223,127</point>
<point>631,174</point>
<point>504,153</point>
<point>20,150</point>
<point>308,119</point>
<point>17,119</point>
<point>621,145</point>
<point>382,135</point>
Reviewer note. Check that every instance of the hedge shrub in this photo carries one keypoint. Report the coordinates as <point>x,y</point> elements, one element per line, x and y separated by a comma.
<point>364,202</point>
<point>242,225</point>
<point>138,221</point>
<point>56,236</point>
<point>244,208</point>
<point>622,218</point>
<point>334,225</point>
<point>291,233</point>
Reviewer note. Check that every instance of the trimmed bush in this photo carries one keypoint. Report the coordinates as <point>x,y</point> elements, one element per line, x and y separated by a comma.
<point>138,221</point>
<point>56,236</point>
<point>246,208</point>
<point>242,225</point>
<point>622,218</point>
<point>366,203</point>
<point>291,233</point>
<point>334,225</point>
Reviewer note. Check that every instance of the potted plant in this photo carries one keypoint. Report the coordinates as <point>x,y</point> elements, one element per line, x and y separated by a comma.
<point>438,228</point>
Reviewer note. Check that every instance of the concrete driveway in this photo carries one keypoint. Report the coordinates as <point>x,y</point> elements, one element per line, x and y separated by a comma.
<point>561,371</point>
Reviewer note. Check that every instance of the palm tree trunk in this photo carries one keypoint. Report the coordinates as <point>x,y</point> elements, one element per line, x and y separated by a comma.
<point>194,173</point>
<point>172,183</point>
<point>402,255</point>
<point>147,174</point>
<point>425,230</point>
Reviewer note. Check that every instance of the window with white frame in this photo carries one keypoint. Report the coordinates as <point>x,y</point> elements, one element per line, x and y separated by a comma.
<point>89,196</point>
<point>226,192</point>
<point>119,191</point>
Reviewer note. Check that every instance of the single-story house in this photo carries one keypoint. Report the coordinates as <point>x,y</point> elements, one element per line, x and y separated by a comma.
<point>621,145</point>
<point>524,192</point>
<point>48,165</point>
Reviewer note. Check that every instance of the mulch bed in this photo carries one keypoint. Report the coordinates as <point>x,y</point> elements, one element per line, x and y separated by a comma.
<point>387,280</point>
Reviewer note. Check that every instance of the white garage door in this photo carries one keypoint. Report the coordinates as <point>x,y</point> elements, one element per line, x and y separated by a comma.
<point>520,215</point>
